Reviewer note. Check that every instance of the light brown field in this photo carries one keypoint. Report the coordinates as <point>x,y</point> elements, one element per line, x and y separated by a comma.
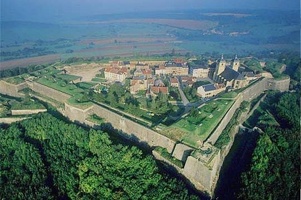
<point>29,61</point>
<point>178,23</point>
<point>127,40</point>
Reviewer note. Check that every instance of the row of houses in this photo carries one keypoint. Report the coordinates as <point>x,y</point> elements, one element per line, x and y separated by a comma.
<point>224,74</point>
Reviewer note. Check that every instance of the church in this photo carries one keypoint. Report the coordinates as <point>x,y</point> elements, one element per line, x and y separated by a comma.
<point>228,74</point>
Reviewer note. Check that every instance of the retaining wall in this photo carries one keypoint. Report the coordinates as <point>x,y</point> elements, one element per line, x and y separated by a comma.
<point>12,89</point>
<point>49,92</point>
<point>77,114</point>
<point>9,120</point>
<point>27,112</point>
<point>134,130</point>
<point>247,95</point>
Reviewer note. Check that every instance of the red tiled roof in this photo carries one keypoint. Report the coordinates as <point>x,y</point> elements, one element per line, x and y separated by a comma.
<point>116,70</point>
<point>157,90</point>
<point>174,80</point>
<point>146,71</point>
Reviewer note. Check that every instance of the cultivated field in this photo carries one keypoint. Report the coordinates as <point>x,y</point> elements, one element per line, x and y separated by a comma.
<point>29,61</point>
<point>178,23</point>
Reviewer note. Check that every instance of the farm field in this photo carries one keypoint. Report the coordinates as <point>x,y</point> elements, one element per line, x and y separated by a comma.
<point>193,32</point>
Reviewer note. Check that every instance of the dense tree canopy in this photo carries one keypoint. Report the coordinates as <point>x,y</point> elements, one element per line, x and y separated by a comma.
<point>46,158</point>
<point>275,169</point>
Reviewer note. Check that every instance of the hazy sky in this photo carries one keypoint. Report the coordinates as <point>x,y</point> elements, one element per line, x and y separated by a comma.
<point>39,10</point>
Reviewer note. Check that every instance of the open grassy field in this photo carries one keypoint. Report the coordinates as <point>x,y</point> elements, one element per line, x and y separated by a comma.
<point>61,85</point>
<point>199,124</point>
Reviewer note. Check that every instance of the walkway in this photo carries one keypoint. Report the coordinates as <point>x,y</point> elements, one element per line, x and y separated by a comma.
<point>183,97</point>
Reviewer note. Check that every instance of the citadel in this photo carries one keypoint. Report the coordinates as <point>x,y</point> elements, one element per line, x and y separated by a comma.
<point>202,160</point>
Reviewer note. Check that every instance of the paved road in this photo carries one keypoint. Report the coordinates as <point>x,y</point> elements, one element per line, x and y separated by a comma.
<point>183,97</point>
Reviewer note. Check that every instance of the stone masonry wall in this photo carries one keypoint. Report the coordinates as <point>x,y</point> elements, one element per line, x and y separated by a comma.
<point>134,130</point>
<point>281,85</point>
<point>27,112</point>
<point>76,114</point>
<point>11,89</point>
<point>49,92</point>
<point>247,95</point>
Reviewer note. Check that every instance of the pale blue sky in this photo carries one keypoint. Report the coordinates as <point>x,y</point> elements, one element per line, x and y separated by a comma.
<point>47,9</point>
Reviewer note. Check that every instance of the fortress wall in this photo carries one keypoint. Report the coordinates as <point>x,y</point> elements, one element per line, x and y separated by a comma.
<point>247,95</point>
<point>224,122</point>
<point>77,114</point>
<point>134,130</point>
<point>27,112</point>
<point>199,174</point>
<point>49,92</point>
<point>202,176</point>
<point>281,85</point>
<point>11,89</point>
<point>254,90</point>
<point>181,152</point>
<point>9,120</point>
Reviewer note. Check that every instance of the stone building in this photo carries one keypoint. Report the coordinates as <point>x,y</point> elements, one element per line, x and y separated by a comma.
<point>200,72</point>
<point>229,75</point>
<point>116,74</point>
<point>173,67</point>
<point>210,90</point>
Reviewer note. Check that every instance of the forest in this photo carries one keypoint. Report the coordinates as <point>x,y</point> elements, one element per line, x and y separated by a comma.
<point>47,158</point>
<point>274,172</point>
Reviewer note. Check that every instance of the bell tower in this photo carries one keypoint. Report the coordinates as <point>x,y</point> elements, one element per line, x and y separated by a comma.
<point>220,67</point>
<point>235,64</point>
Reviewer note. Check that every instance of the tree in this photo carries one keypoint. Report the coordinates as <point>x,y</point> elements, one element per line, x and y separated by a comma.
<point>274,171</point>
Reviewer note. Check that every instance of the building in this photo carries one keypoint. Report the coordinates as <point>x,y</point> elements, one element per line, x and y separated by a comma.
<point>176,67</point>
<point>137,84</point>
<point>116,74</point>
<point>158,87</point>
<point>141,65</point>
<point>200,72</point>
<point>187,81</point>
<point>229,75</point>
<point>210,90</point>
<point>174,82</point>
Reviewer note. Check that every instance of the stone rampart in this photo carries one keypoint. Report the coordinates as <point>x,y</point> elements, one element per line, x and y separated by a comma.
<point>281,84</point>
<point>134,130</point>
<point>9,120</point>
<point>49,92</point>
<point>12,89</point>
<point>77,114</point>
<point>182,151</point>
<point>248,94</point>
<point>224,122</point>
<point>27,112</point>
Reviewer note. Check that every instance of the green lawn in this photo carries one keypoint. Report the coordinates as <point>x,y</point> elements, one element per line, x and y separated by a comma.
<point>26,105</point>
<point>60,85</point>
<point>85,85</point>
<point>75,101</point>
<point>67,77</point>
<point>101,80</point>
<point>15,80</point>
<point>200,123</point>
